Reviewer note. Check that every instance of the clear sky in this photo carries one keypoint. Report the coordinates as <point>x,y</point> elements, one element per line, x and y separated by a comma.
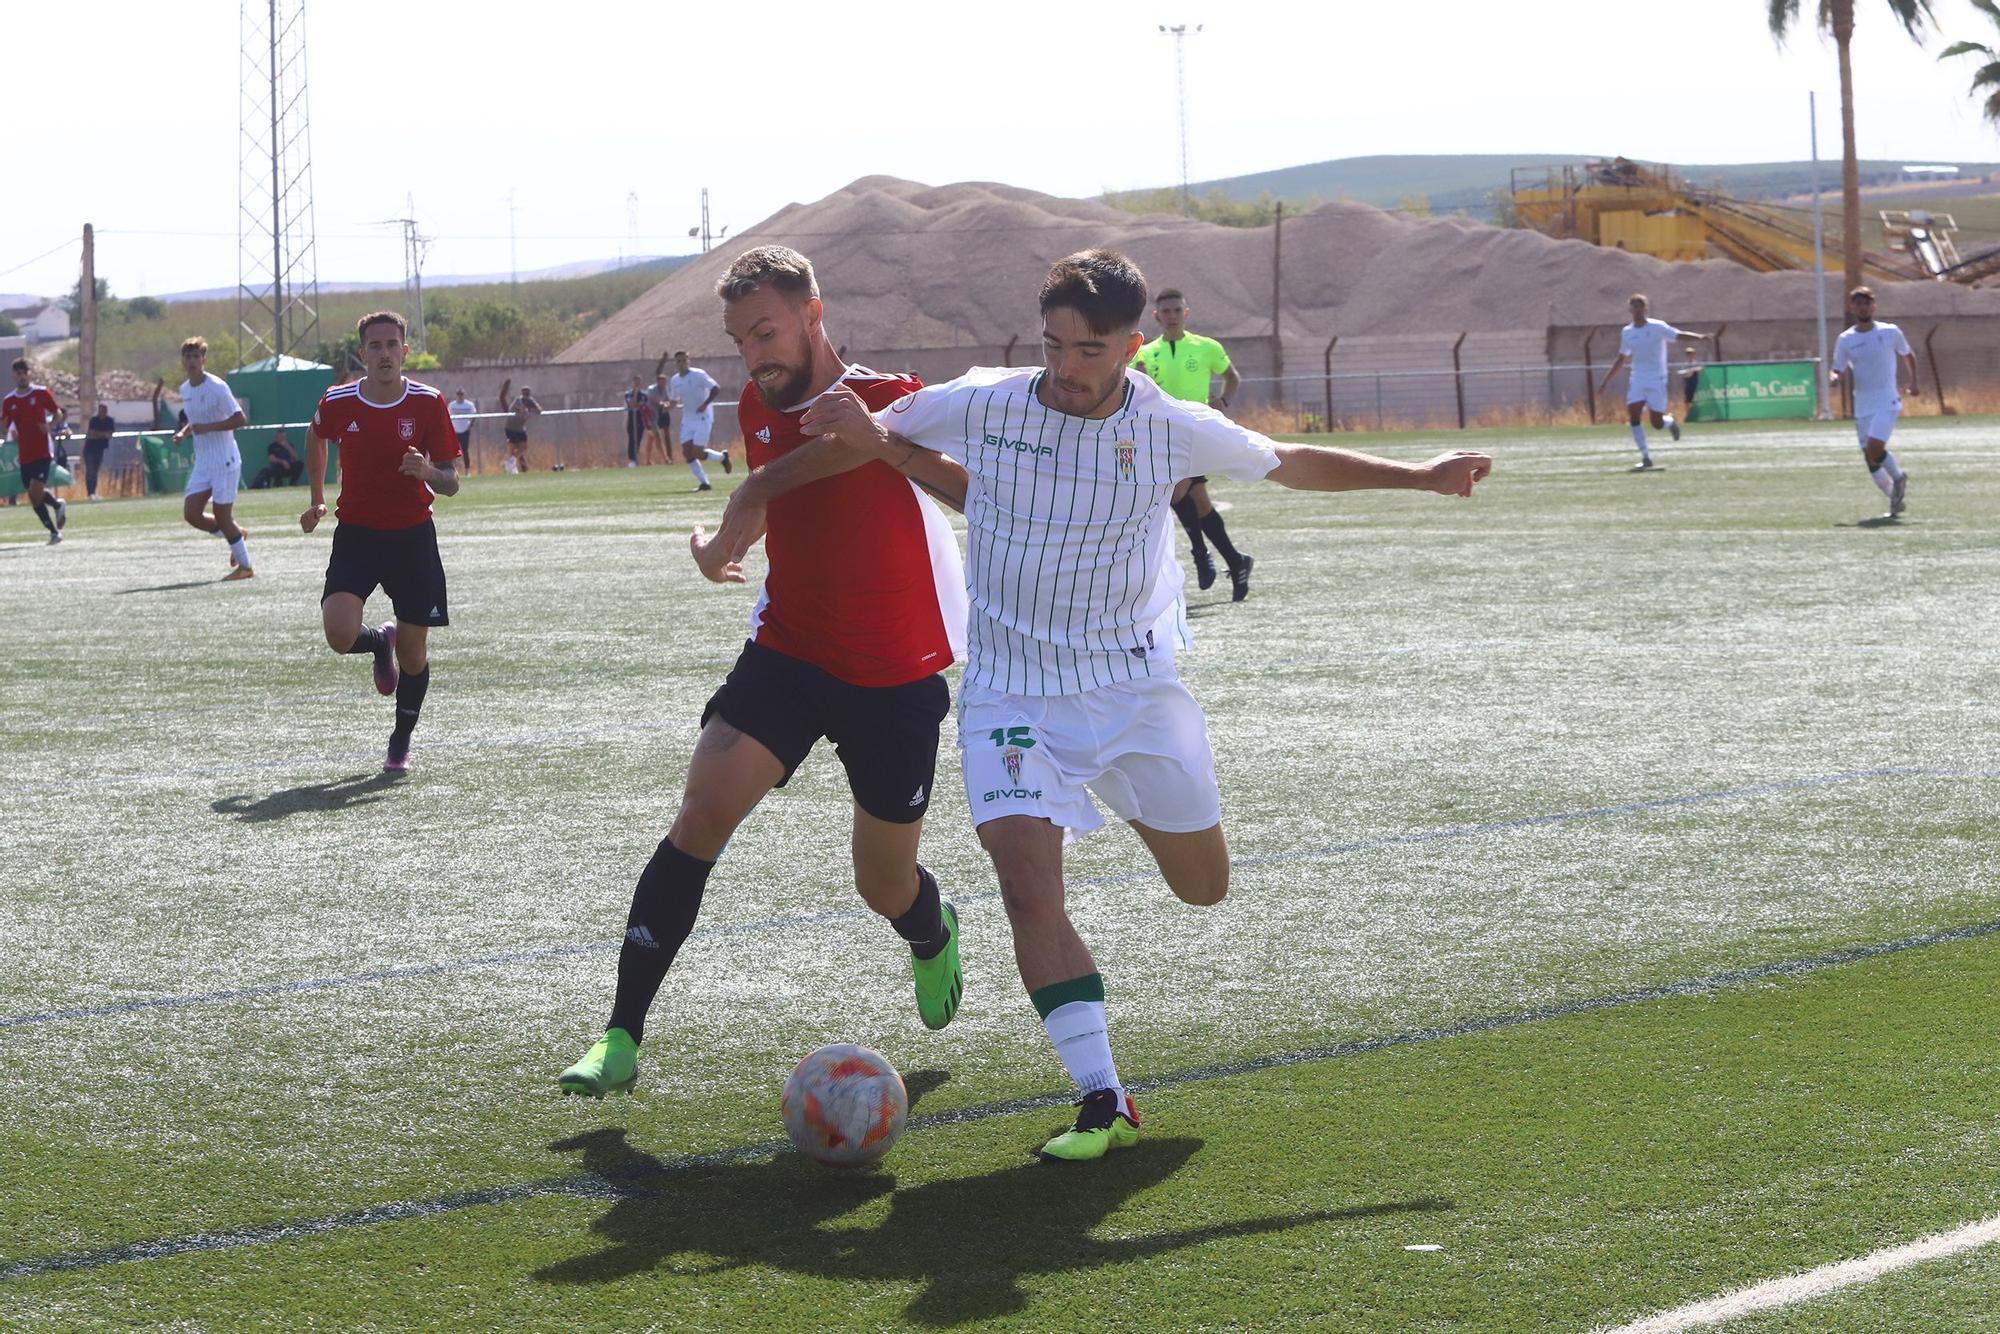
<point>576,108</point>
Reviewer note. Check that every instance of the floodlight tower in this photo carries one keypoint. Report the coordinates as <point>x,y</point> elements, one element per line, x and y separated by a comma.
<point>1179,32</point>
<point>277,273</point>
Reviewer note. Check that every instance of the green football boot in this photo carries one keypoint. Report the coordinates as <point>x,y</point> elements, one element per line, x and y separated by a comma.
<point>612,1066</point>
<point>940,978</point>
<point>1102,1124</point>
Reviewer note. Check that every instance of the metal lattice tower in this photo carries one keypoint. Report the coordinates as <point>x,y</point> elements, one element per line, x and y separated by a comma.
<point>1179,32</point>
<point>277,271</point>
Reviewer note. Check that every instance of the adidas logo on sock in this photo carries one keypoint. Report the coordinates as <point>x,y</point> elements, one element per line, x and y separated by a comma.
<point>639,935</point>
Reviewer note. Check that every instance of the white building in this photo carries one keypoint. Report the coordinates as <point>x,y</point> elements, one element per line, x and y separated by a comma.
<point>41,323</point>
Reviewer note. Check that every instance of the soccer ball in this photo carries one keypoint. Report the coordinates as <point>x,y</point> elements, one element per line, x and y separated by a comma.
<point>845,1105</point>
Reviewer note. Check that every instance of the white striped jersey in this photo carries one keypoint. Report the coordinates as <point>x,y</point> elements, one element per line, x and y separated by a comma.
<point>1069,562</point>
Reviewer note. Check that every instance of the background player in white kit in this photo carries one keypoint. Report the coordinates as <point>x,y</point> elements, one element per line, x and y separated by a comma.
<point>1643,345</point>
<point>1070,687</point>
<point>213,416</point>
<point>1873,355</point>
<point>695,389</point>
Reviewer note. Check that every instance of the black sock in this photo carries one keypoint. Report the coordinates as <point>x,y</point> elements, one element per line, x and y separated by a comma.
<point>923,924</point>
<point>1190,516</point>
<point>663,912</point>
<point>410,690</point>
<point>370,640</point>
<point>42,513</point>
<point>1212,524</point>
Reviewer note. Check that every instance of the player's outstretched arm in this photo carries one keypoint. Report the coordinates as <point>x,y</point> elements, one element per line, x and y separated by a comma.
<point>316,479</point>
<point>1323,468</point>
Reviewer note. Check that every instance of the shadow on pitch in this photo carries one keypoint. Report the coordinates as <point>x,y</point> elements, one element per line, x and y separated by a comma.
<point>1879,521</point>
<point>309,799</point>
<point>968,1241</point>
<point>166,588</point>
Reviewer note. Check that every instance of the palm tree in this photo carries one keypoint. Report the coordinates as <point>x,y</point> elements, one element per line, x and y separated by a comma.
<point>1988,74</point>
<point>1837,17</point>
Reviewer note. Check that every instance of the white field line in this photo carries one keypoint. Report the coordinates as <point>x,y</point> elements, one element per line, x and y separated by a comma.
<point>1795,1288</point>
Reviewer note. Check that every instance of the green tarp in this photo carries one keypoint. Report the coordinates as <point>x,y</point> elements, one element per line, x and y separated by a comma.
<point>1751,390</point>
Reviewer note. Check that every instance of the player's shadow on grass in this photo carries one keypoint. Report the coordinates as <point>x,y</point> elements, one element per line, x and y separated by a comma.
<point>968,1241</point>
<point>166,588</point>
<point>311,798</point>
<point>1879,521</point>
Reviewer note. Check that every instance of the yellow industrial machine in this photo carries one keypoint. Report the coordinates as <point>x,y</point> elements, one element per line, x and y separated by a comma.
<point>1651,211</point>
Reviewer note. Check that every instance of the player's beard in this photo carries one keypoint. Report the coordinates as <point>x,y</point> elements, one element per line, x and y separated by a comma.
<point>790,389</point>
<point>1080,398</point>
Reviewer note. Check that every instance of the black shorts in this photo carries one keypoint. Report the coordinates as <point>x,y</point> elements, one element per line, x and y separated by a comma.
<point>516,436</point>
<point>663,419</point>
<point>38,471</point>
<point>886,736</point>
<point>465,440</point>
<point>402,562</point>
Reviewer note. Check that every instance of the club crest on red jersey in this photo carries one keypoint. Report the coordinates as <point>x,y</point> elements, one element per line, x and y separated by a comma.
<point>406,428</point>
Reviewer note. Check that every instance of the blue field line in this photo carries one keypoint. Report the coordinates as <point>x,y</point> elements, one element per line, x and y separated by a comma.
<point>591,1185</point>
<point>517,957</point>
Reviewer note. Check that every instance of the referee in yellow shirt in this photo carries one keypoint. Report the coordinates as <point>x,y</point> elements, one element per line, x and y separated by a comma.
<point>1184,364</point>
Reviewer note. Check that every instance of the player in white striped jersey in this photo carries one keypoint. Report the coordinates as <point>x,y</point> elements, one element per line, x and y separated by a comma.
<point>1872,355</point>
<point>1643,345</point>
<point>1070,688</point>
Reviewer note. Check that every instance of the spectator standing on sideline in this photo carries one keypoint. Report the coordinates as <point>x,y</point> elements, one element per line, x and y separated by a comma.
<point>660,421</point>
<point>524,410</point>
<point>462,410</point>
<point>96,439</point>
<point>636,411</point>
<point>1690,381</point>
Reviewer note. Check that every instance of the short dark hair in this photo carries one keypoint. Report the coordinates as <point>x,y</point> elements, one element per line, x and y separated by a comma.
<point>1868,292</point>
<point>1171,294</point>
<point>381,317</point>
<point>681,353</point>
<point>20,364</point>
<point>1103,286</point>
<point>1639,297</point>
<point>778,267</point>
<point>195,344</point>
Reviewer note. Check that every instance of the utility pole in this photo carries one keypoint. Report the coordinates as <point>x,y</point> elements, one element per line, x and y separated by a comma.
<point>1819,263</point>
<point>1277,300</point>
<point>277,289</point>
<point>1179,32</point>
<point>631,250</point>
<point>513,262</point>
<point>86,348</point>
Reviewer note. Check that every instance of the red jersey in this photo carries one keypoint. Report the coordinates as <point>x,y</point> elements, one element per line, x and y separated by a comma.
<point>374,492</point>
<point>864,579</point>
<point>28,412</point>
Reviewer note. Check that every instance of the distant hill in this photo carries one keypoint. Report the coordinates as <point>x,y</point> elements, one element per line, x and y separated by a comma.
<point>583,268</point>
<point>1463,181</point>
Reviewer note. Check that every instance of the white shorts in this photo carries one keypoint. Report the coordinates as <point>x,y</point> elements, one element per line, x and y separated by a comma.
<point>1877,423</point>
<point>1654,396</point>
<point>695,427</point>
<point>1141,746</point>
<point>215,471</point>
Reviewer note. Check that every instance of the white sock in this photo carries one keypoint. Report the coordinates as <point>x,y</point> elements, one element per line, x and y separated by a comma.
<point>240,549</point>
<point>1890,466</point>
<point>1668,421</point>
<point>1083,1042</point>
<point>700,476</point>
<point>715,454</point>
<point>1639,439</point>
<point>1883,480</point>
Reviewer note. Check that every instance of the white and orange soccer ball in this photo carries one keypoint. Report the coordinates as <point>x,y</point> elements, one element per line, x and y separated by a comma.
<point>845,1105</point>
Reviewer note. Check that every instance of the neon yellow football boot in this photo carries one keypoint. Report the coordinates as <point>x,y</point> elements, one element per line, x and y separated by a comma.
<point>611,1066</point>
<point>940,978</point>
<point>1103,1122</point>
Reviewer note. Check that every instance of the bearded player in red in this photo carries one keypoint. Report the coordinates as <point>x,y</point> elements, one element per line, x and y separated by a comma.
<point>845,649</point>
<point>396,450</point>
<point>27,410</point>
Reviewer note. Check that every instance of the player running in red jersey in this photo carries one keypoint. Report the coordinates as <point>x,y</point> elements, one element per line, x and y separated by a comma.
<point>848,650</point>
<point>396,451</point>
<point>26,412</point>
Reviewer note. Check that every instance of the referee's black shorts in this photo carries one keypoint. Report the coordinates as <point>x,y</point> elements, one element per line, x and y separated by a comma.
<point>886,736</point>
<point>402,562</point>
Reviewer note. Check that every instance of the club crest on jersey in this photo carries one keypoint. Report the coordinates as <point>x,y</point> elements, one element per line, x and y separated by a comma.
<point>1127,452</point>
<point>1011,757</point>
<point>406,428</point>
<point>764,434</point>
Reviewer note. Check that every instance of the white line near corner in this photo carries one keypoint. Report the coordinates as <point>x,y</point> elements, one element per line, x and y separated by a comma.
<point>1795,1288</point>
